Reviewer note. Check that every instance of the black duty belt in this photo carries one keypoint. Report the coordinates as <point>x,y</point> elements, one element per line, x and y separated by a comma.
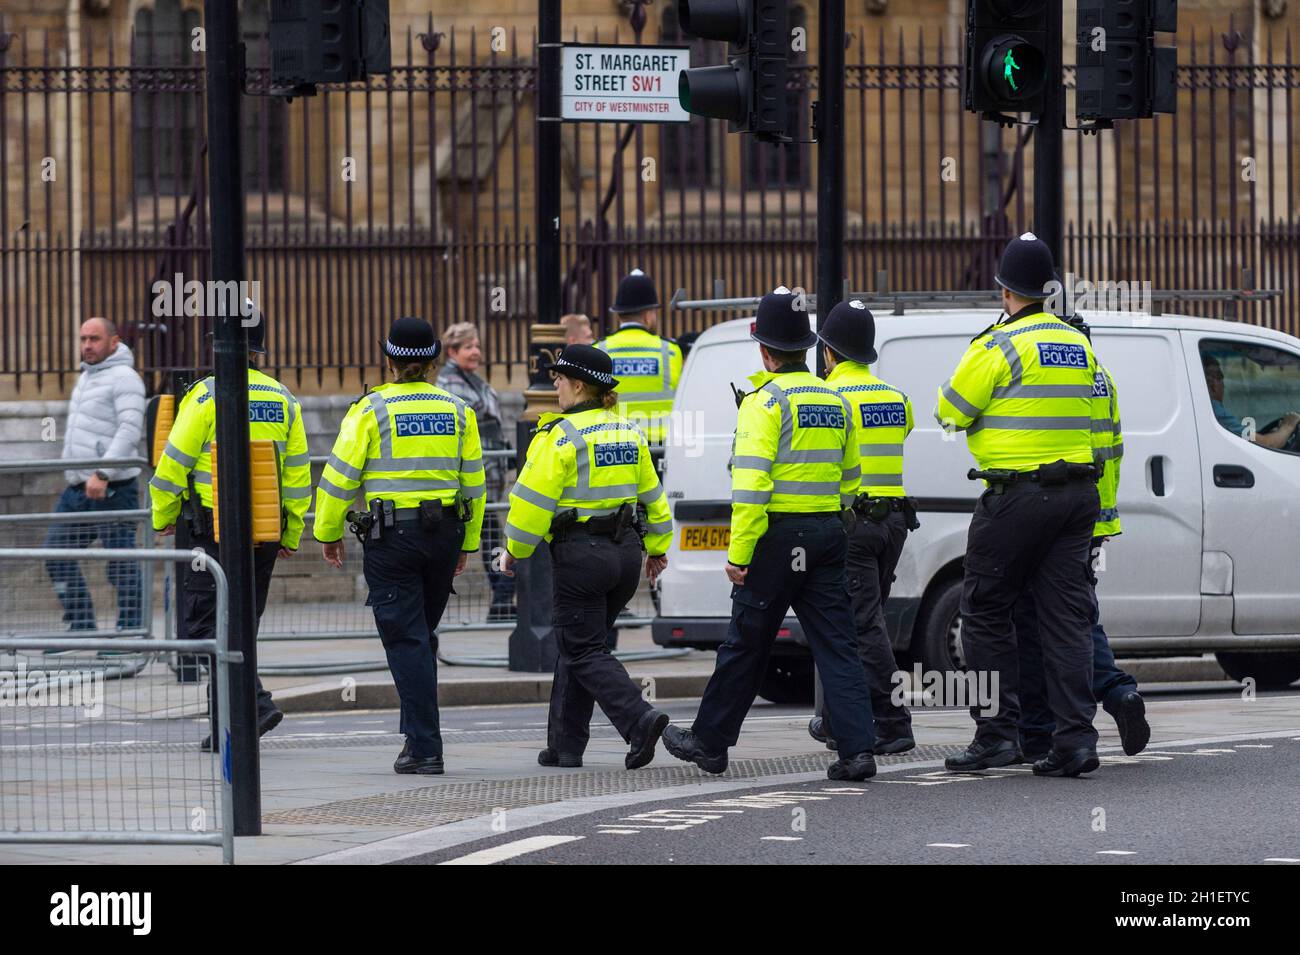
<point>567,525</point>
<point>383,515</point>
<point>1048,475</point>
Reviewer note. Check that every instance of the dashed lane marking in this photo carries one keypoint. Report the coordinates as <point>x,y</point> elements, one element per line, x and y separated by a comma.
<point>783,838</point>
<point>947,845</point>
<point>1281,859</point>
<point>1116,852</point>
<point>512,850</point>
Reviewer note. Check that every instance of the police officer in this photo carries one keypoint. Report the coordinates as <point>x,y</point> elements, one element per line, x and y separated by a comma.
<point>646,365</point>
<point>1023,393</point>
<point>794,467</point>
<point>414,451</point>
<point>182,488</point>
<point>1113,688</point>
<point>587,468</point>
<point>882,417</point>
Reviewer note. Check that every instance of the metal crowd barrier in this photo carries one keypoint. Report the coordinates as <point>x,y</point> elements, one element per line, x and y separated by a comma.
<point>80,765</point>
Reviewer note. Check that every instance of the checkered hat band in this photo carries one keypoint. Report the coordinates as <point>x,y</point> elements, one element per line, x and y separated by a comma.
<point>398,351</point>
<point>600,376</point>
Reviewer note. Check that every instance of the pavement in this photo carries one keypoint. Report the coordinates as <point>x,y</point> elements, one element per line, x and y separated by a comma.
<point>329,794</point>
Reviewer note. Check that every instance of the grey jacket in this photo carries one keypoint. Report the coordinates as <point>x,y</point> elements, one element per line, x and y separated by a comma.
<point>105,415</point>
<point>482,397</point>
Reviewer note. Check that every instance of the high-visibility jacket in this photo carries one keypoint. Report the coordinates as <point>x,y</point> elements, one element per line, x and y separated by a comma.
<point>796,451</point>
<point>273,415</point>
<point>882,416</point>
<point>1108,449</point>
<point>647,368</point>
<point>407,443</point>
<point>594,461</point>
<point>1023,393</point>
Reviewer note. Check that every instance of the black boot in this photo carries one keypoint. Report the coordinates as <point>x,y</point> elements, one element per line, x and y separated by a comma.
<point>858,769</point>
<point>979,756</point>
<point>549,757</point>
<point>686,746</point>
<point>644,738</point>
<point>1131,718</point>
<point>1074,762</point>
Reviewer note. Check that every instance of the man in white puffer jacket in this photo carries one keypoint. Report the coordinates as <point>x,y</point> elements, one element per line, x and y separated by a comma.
<point>106,421</point>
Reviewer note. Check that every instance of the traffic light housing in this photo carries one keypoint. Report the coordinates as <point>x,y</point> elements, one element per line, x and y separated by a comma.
<point>1122,74</point>
<point>327,41</point>
<point>749,91</point>
<point>1006,56</point>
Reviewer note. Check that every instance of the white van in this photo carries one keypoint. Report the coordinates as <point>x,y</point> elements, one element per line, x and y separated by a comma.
<point>1210,555</point>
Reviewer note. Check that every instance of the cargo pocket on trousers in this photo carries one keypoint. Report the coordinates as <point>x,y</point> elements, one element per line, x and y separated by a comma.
<point>981,570</point>
<point>384,604</point>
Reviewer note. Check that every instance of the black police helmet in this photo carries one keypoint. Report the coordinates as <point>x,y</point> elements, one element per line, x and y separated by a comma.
<point>255,321</point>
<point>411,339</point>
<point>636,293</point>
<point>850,329</point>
<point>780,325</point>
<point>1027,268</point>
<point>586,363</point>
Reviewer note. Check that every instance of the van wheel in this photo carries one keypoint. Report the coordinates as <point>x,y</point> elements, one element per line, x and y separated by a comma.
<point>1271,671</point>
<point>788,680</point>
<point>940,630</point>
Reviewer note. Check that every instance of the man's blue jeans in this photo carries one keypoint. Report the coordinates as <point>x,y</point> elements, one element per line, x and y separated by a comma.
<point>69,584</point>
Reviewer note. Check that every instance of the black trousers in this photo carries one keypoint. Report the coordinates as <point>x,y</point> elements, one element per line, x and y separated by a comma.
<point>409,572</point>
<point>200,607</point>
<point>874,549</point>
<point>1036,538</point>
<point>798,563</point>
<point>594,578</point>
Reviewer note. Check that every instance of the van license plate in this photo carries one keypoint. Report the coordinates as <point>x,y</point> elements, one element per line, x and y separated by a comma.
<point>706,538</point>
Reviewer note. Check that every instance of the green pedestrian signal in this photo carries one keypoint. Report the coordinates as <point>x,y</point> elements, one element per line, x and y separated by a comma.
<point>1009,61</point>
<point>1006,56</point>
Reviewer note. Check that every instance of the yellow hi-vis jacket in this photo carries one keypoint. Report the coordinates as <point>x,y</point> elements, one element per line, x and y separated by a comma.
<point>796,451</point>
<point>1023,393</point>
<point>273,415</point>
<point>882,416</point>
<point>406,443</point>
<point>1108,449</point>
<point>594,461</point>
<point>647,368</point>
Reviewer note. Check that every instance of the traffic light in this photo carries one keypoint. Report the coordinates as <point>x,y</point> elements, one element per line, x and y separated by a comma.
<point>1122,74</point>
<point>327,41</point>
<point>1006,56</point>
<point>750,90</point>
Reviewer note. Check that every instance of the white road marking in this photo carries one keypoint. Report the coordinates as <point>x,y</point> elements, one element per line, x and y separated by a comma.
<point>1281,859</point>
<point>947,845</point>
<point>1254,746</point>
<point>783,838</point>
<point>1116,852</point>
<point>512,850</point>
<point>620,832</point>
<point>487,723</point>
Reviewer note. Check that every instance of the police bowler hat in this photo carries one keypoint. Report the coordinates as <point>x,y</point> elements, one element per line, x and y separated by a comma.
<point>780,325</point>
<point>1027,268</point>
<point>850,330</point>
<point>636,293</point>
<point>412,339</point>
<point>586,363</point>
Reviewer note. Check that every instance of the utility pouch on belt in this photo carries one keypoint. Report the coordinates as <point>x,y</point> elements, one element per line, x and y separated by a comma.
<point>1051,475</point>
<point>623,520</point>
<point>639,522</point>
<point>909,513</point>
<point>360,523</point>
<point>196,517</point>
<point>998,479</point>
<point>561,524</point>
<point>430,514</point>
<point>463,510</point>
<point>849,518</point>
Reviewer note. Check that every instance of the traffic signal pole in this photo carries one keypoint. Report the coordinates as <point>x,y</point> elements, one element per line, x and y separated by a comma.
<point>230,359</point>
<point>1049,146</point>
<point>830,160</point>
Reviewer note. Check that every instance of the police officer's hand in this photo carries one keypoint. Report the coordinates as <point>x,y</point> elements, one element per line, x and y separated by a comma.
<point>507,563</point>
<point>461,561</point>
<point>737,574</point>
<point>167,531</point>
<point>654,566</point>
<point>287,552</point>
<point>333,554</point>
